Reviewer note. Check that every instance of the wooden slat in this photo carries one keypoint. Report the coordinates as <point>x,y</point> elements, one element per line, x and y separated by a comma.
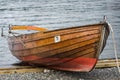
<point>7,69</point>
<point>29,38</point>
<point>55,61</point>
<point>48,41</point>
<point>107,63</point>
<point>20,70</point>
<point>40,35</point>
<point>65,53</point>
<point>84,52</point>
<point>81,44</point>
<point>57,48</point>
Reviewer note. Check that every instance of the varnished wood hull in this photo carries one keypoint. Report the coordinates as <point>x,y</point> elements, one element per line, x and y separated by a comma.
<point>71,49</point>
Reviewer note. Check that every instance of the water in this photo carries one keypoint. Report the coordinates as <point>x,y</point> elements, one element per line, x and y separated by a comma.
<point>55,14</point>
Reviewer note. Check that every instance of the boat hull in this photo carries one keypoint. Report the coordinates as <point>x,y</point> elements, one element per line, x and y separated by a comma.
<point>71,49</point>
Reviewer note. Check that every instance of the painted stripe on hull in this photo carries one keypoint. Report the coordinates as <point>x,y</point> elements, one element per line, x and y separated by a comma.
<point>80,64</point>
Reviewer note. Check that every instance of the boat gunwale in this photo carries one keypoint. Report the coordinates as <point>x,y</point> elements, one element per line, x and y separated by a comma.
<point>13,41</point>
<point>101,23</point>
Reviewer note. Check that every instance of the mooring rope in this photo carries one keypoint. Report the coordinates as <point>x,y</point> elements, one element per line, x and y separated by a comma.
<point>115,46</point>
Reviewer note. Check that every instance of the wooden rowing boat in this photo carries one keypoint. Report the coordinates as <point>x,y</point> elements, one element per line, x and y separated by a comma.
<point>71,49</point>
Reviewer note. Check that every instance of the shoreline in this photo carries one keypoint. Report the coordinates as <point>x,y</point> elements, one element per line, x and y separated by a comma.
<point>96,74</point>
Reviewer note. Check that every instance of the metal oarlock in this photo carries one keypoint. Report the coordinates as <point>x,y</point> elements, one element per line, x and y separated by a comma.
<point>9,28</point>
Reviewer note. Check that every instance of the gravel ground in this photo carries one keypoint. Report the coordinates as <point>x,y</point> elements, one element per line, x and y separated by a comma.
<point>96,74</point>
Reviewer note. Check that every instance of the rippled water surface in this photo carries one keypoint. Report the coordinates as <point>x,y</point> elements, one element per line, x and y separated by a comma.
<point>55,14</point>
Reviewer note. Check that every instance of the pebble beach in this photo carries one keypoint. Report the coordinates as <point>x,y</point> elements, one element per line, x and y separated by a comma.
<point>96,74</point>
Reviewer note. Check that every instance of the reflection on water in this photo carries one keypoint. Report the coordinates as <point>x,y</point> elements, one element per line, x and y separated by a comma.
<point>54,14</point>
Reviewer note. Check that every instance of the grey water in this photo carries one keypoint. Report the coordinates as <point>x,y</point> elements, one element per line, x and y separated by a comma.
<point>55,14</point>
